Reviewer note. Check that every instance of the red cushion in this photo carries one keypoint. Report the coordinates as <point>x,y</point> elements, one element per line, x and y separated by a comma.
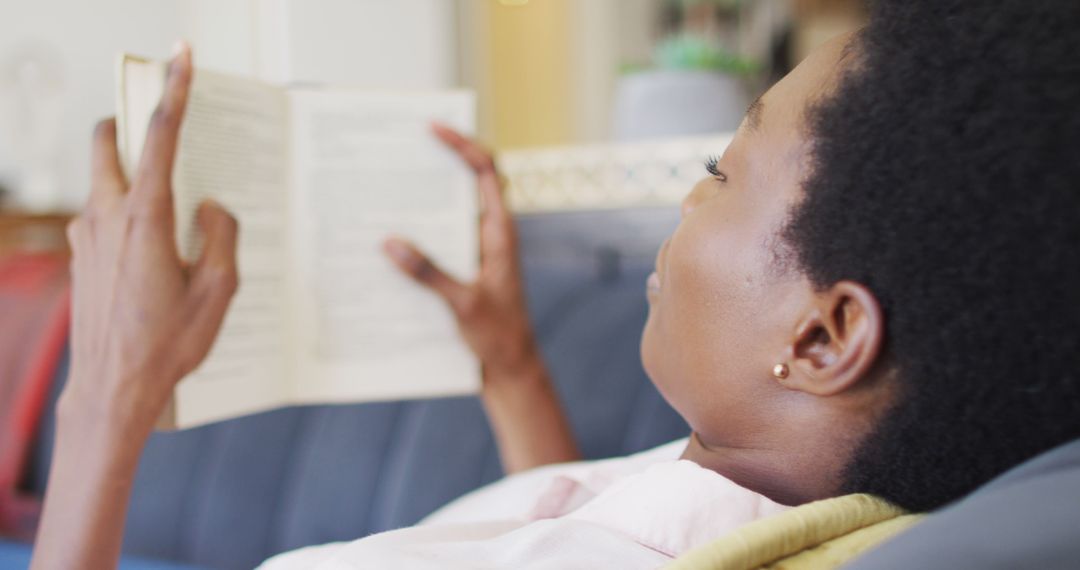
<point>35,304</point>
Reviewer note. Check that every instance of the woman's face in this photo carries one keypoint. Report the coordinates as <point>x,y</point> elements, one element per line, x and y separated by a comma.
<point>724,300</point>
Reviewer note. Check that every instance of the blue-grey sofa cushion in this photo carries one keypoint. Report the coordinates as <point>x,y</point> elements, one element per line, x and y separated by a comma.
<point>1028,517</point>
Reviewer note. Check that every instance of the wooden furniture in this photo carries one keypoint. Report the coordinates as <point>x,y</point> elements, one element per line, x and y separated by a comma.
<point>25,232</point>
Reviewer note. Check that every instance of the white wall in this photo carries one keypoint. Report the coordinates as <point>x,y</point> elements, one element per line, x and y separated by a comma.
<point>607,35</point>
<point>76,43</point>
<point>385,43</point>
<point>371,43</point>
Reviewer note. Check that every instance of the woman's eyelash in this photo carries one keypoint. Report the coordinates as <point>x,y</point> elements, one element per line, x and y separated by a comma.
<point>711,167</point>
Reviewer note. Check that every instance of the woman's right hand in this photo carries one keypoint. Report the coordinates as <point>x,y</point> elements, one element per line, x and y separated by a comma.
<point>522,406</point>
<point>491,312</point>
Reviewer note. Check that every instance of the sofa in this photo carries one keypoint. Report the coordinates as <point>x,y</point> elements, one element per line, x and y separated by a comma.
<point>231,494</point>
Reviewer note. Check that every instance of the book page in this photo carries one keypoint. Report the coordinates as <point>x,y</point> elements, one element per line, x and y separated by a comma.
<point>233,148</point>
<point>367,166</point>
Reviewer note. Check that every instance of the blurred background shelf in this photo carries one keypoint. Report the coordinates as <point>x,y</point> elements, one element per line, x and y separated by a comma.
<point>33,233</point>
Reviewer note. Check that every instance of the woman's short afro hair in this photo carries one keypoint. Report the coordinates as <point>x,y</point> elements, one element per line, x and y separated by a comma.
<point>946,178</point>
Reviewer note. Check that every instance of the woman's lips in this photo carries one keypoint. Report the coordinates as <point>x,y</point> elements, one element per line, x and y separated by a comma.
<point>652,284</point>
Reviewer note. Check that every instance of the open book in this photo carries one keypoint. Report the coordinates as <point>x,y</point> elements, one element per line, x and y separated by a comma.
<point>317,178</point>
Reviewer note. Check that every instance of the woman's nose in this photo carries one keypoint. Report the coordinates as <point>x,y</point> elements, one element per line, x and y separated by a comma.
<point>694,198</point>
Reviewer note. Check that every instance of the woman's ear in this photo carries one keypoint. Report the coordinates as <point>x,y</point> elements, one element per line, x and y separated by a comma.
<point>838,342</point>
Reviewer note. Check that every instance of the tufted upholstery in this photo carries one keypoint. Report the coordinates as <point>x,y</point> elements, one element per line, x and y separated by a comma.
<point>231,494</point>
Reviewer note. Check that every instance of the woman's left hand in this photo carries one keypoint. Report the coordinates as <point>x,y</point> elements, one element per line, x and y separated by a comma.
<point>142,319</point>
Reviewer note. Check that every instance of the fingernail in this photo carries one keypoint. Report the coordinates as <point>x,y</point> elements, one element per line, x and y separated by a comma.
<point>180,54</point>
<point>397,250</point>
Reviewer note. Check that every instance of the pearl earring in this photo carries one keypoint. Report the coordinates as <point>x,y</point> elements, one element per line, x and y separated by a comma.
<point>780,371</point>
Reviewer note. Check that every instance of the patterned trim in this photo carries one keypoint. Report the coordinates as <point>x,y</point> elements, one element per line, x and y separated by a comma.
<point>606,176</point>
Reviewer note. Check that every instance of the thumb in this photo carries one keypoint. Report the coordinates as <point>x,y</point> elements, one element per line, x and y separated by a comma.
<point>217,264</point>
<point>213,278</point>
<point>421,269</point>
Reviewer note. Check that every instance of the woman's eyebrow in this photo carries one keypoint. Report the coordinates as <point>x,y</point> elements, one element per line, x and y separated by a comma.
<point>753,113</point>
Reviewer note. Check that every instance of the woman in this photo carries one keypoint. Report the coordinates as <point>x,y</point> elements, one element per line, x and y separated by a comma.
<point>875,289</point>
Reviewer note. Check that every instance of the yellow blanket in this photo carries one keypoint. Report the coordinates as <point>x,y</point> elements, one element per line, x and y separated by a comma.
<point>816,536</point>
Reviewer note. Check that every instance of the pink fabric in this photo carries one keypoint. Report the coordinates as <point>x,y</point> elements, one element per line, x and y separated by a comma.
<point>635,512</point>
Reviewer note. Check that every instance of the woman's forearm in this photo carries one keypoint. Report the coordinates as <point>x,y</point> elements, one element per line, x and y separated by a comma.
<point>526,416</point>
<point>94,464</point>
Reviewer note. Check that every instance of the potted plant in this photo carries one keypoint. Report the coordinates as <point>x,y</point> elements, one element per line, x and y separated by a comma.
<point>694,84</point>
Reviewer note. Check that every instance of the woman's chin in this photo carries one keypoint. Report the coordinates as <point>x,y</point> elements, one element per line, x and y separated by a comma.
<point>647,350</point>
